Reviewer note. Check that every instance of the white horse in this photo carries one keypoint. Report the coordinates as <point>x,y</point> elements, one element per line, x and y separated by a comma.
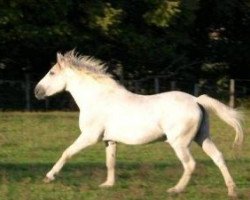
<point>113,114</point>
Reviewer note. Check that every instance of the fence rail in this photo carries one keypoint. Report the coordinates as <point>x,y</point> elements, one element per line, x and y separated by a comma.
<point>18,94</point>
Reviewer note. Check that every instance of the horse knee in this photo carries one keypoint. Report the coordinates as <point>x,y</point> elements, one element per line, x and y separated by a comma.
<point>211,150</point>
<point>187,161</point>
<point>67,154</point>
<point>192,165</point>
<point>218,159</point>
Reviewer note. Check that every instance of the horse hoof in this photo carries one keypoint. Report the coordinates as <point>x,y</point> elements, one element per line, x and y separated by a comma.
<point>174,190</point>
<point>233,195</point>
<point>47,179</point>
<point>106,185</point>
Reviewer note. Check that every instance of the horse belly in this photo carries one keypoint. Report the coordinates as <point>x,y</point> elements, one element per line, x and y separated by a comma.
<point>134,134</point>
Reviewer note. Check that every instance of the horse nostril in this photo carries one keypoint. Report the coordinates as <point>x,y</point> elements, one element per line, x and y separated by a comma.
<point>36,91</point>
<point>39,92</point>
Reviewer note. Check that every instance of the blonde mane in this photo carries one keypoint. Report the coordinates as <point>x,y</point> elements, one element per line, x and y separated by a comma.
<point>85,63</point>
<point>88,65</point>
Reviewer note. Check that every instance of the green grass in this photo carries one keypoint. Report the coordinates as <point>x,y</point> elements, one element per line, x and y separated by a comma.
<point>30,143</point>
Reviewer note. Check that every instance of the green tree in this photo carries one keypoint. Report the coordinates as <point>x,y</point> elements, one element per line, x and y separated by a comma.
<point>187,39</point>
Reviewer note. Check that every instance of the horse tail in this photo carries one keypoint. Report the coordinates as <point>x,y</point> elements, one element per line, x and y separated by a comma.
<point>231,116</point>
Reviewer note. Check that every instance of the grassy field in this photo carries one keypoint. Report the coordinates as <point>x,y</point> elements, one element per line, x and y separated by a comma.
<point>30,143</point>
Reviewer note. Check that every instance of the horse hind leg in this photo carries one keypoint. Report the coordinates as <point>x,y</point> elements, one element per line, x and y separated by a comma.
<point>188,163</point>
<point>203,139</point>
<point>211,150</point>
<point>180,145</point>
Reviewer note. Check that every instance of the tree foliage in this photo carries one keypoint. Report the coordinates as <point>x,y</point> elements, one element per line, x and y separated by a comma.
<point>186,39</point>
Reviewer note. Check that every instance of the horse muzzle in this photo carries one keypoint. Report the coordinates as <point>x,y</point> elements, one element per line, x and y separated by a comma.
<point>40,92</point>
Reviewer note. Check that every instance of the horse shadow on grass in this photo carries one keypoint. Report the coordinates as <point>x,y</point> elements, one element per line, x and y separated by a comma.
<point>91,174</point>
<point>126,171</point>
<point>85,171</point>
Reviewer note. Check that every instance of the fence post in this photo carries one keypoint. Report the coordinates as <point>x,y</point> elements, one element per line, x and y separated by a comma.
<point>232,93</point>
<point>46,104</point>
<point>27,92</point>
<point>157,85</point>
<point>136,86</point>
<point>173,85</point>
<point>196,89</point>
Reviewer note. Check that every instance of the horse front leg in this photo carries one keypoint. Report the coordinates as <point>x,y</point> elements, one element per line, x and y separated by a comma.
<point>83,141</point>
<point>110,163</point>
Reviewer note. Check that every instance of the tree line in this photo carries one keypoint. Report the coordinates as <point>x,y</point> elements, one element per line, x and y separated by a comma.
<point>183,39</point>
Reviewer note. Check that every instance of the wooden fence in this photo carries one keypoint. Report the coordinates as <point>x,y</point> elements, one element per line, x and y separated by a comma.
<point>18,95</point>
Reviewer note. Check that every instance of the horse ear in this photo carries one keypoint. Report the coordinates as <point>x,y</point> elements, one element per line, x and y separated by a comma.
<point>60,59</point>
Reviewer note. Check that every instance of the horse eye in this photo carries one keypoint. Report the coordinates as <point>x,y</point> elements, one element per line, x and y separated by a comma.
<point>51,73</point>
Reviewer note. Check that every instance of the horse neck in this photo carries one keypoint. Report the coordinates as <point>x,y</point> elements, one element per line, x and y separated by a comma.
<point>87,91</point>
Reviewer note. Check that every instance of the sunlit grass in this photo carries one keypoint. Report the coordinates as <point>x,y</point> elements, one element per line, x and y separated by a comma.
<point>30,143</point>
